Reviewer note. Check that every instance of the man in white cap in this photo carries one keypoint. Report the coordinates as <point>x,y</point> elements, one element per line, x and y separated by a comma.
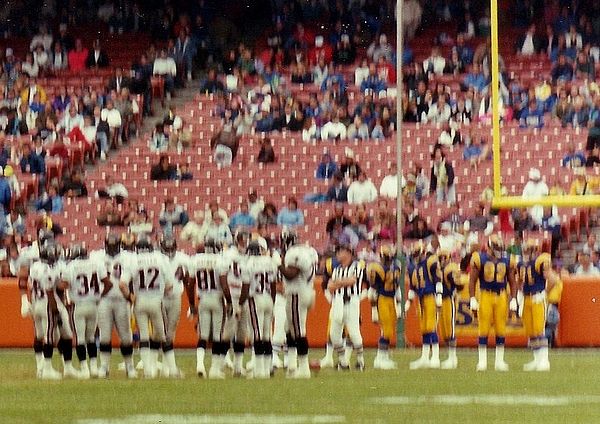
<point>535,188</point>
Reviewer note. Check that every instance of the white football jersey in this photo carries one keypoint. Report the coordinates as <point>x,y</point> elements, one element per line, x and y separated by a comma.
<point>232,265</point>
<point>180,265</point>
<point>260,272</point>
<point>151,274</point>
<point>306,259</point>
<point>42,278</point>
<point>85,279</point>
<point>204,267</point>
<point>27,256</point>
<point>115,266</point>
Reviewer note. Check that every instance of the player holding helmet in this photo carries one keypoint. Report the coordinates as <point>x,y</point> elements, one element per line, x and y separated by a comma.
<point>493,270</point>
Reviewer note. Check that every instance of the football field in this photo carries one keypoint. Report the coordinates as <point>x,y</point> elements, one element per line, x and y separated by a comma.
<point>569,393</point>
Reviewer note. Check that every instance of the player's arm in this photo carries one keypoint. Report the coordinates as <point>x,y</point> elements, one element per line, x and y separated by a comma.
<point>473,277</point>
<point>190,291</point>
<point>552,278</point>
<point>225,288</point>
<point>289,272</point>
<point>126,288</point>
<point>437,278</point>
<point>23,278</point>
<point>107,285</point>
<point>52,301</point>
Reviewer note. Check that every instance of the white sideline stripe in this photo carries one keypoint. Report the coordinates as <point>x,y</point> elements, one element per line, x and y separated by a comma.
<point>526,400</point>
<point>217,419</point>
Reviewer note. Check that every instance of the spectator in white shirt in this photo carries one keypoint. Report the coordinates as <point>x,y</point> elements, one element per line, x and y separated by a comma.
<point>591,246</point>
<point>334,129</point>
<point>389,185</point>
<point>362,191</point>
<point>358,130</point>
<point>42,38</point>
<point>573,39</point>
<point>380,49</point>
<point>435,63</point>
<point>166,67</point>
<point>255,205</point>
<point>218,231</point>
<point>585,267</point>
<point>71,120</point>
<point>439,112</point>
<point>113,190</point>
<point>535,188</point>
<point>89,130</point>
<point>40,57</point>
<point>29,66</point>
<point>113,117</point>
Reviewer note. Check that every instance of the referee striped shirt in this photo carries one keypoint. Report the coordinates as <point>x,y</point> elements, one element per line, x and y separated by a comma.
<point>355,270</point>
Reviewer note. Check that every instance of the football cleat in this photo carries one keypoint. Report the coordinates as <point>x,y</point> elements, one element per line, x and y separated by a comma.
<point>216,374</point>
<point>384,364</point>
<point>530,366</point>
<point>302,374</point>
<point>69,371</point>
<point>449,364</point>
<point>501,366</point>
<point>327,362</point>
<point>360,365</point>
<point>131,372</point>
<point>419,364</point>
<point>277,363</point>
<point>201,371</point>
<point>84,372</point>
<point>481,366</point>
<point>51,374</point>
<point>543,366</point>
<point>343,367</point>
<point>434,364</point>
<point>102,372</point>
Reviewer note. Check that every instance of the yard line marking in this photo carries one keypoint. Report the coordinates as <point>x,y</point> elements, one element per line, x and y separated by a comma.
<point>525,400</point>
<point>217,419</point>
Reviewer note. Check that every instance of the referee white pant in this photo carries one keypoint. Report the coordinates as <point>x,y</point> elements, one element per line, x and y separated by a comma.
<point>345,314</point>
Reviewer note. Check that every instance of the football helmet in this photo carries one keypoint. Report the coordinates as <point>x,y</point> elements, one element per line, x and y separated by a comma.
<point>387,252</point>
<point>143,244</point>
<point>77,251</point>
<point>168,246</point>
<point>444,257</point>
<point>496,246</point>
<point>287,239</point>
<point>128,242</point>
<point>112,245</point>
<point>254,249</point>
<point>212,246</point>
<point>50,253</point>
<point>418,250</point>
<point>530,248</point>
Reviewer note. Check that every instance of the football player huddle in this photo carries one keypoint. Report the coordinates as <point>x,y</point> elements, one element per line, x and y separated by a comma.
<point>239,295</point>
<point>498,283</point>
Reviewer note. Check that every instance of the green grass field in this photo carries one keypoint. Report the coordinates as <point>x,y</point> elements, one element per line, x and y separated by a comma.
<point>570,393</point>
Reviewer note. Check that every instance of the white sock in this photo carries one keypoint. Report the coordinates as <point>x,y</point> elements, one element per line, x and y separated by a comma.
<point>435,352</point>
<point>200,356</point>
<point>237,361</point>
<point>329,352</point>
<point>303,363</point>
<point>499,353</point>
<point>482,350</point>
<point>169,361</point>
<point>292,356</point>
<point>39,361</point>
<point>93,363</point>
<point>452,353</point>
<point>425,351</point>
<point>47,363</point>
<point>146,360</point>
<point>543,354</point>
<point>105,360</point>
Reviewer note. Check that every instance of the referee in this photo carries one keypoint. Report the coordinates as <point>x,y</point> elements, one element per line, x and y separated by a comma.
<point>346,285</point>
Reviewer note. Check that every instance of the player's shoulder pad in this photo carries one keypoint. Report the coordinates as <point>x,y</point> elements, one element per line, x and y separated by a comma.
<point>542,262</point>
<point>476,259</point>
<point>375,268</point>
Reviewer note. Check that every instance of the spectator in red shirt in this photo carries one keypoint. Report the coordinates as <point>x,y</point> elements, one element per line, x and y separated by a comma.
<point>320,49</point>
<point>386,70</point>
<point>78,56</point>
<point>60,149</point>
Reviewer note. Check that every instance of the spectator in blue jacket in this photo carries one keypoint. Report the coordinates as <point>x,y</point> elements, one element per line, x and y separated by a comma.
<point>475,79</point>
<point>5,192</point>
<point>373,82</point>
<point>573,158</point>
<point>242,218</point>
<point>577,116</point>
<point>327,168</point>
<point>532,117</point>
<point>32,163</point>
<point>50,202</point>
<point>290,216</point>
<point>562,69</point>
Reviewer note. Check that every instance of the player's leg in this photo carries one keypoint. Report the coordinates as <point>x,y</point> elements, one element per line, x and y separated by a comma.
<point>387,319</point>
<point>267,325</point>
<point>500,318</point>
<point>279,329</point>
<point>38,311</point>
<point>205,312</point>
<point>90,338</point>
<point>141,317</point>
<point>301,303</point>
<point>77,314</point>
<point>352,321</point>
<point>336,328</point>
<point>123,323</point>
<point>50,322</point>
<point>220,342</point>
<point>239,341</point>
<point>484,316</point>
<point>105,325</point>
<point>539,325</point>
<point>171,313</point>
<point>422,312</point>
<point>447,322</point>
<point>255,313</point>
<point>527,319</point>
<point>155,317</point>
<point>292,342</point>
<point>431,329</point>
<point>65,343</point>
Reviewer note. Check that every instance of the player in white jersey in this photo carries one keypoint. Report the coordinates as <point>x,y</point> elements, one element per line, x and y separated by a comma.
<point>21,266</point>
<point>298,272</point>
<point>260,270</point>
<point>346,285</point>
<point>172,302</point>
<point>203,284</point>
<point>114,310</point>
<point>235,293</point>
<point>49,312</point>
<point>147,278</point>
<point>87,281</point>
